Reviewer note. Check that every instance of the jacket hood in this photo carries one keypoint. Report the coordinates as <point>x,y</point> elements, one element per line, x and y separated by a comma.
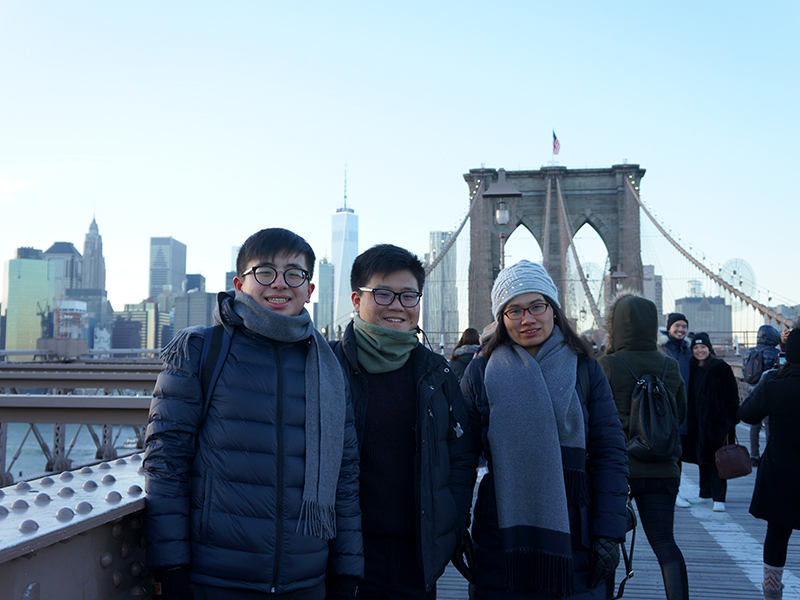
<point>768,336</point>
<point>631,324</point>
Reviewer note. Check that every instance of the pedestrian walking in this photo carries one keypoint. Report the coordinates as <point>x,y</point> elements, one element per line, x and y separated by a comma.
<point>465,350</point>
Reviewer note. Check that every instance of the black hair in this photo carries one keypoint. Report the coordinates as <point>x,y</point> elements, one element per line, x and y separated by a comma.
<point>575,342</point>
<point>385,259</point>
<point>269,243</point>
<point>470,337</point>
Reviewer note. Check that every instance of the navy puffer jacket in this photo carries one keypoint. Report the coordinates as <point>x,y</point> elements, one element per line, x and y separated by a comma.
<point>224,491</point>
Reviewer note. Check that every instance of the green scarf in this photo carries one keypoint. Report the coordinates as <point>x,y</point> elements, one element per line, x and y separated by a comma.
<point>380,349</point>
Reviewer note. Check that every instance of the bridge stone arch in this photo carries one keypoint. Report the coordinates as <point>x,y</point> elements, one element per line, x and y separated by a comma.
<point>595,196</point>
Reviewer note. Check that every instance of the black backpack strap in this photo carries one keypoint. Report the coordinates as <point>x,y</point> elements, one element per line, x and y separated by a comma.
<point>216,345</point>
<point>635,376</point>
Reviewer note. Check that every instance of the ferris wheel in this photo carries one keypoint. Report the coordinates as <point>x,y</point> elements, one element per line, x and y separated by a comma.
<point>740,275</point>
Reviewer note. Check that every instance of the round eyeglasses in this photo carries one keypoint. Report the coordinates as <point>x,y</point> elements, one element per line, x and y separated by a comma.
<point>294,277</point>
<point>386,297</point>
<point>536,309</point>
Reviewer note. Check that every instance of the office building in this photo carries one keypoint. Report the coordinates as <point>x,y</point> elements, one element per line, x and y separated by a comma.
<point>194,308</point>
<point>94,265</point>
<point>709,314</point>
<point>653,289</point>
<point>440,295</point>
<point>67,267</point>
<point>141,325</point>
<point>167,266</point>
<point>323,307</point>
<point>344,225</point>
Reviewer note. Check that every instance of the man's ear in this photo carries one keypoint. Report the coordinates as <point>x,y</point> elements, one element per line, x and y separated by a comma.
<point>310,290</point>
<point>356,298</point>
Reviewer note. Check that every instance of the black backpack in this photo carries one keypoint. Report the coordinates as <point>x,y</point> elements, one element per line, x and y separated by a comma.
<point>653,428</point>
<point>756,361</point>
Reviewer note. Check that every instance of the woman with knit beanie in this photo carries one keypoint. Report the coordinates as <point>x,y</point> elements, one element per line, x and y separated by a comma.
<point>778,479</point>
<point>711,418</point>
<point>551,510</point>
<point>631,352</point>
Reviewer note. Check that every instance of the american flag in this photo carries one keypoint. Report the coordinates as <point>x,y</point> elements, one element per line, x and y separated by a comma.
<point>556,143</point>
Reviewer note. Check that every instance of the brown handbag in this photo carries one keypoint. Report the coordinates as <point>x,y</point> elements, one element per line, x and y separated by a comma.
<point>733,460</point>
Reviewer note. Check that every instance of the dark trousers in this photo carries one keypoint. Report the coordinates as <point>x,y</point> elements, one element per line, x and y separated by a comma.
<point>755,431</point>
<point>391,570</point>
<point>207,592</point>
<point>655,503</point>
<point>711,486</point>
<point>775,544</point>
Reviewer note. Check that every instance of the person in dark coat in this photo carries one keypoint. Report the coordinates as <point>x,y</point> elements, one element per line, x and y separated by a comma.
<point>711,418</point>
<point>465,349</point>
<point>254,493</point>
<point>767,341</point>
<point>631,336</point>
<point>547,520</point>
<point>417,463</point>
<point>778,479</point>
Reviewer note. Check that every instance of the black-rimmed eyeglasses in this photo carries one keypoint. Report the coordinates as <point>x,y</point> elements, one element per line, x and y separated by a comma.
<point>386,297</point>
<point>536,309</point>
<point>294,277</point>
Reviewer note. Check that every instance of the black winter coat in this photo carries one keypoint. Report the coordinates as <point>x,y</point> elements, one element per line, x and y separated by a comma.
<point>445,462</point>
<point>606,465</point>
<point>224,490</point>
<point>778,479</point>
<point>713,410</point>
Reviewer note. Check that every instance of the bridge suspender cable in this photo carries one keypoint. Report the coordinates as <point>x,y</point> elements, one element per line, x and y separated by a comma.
<point>477,193</point>
<point>563,219</point>
<point>764,310</point>
<point>546,233</point>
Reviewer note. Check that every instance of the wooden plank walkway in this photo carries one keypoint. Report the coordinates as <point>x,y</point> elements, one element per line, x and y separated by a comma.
<point>723,551</point>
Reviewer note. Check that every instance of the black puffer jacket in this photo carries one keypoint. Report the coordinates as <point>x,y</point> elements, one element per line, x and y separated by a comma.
<point>216,484</point>
<point>445,465</point>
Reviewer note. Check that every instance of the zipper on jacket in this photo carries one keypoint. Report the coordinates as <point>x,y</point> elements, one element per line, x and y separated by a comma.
<point>279,458</point>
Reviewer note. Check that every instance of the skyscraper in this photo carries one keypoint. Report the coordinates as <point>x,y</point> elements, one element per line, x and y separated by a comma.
<point>167,265</point>
<point>94,265</point>
<point>344,225</point>
<point>67,267</point>
<point>440,295</point>
<point>323,307</point>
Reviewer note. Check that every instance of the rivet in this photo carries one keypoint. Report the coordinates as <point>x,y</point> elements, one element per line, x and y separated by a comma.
<point>116,530</point>
<point>106,559</point>
<point>19,505</point>
<point>66,476</point>
<point>47,481</point>
<point>3,511</point>
<point>136,523</point>
<point>64,514</point>
<point>134,490</point>
<point>120,462</point>
<point>104,466</point>
<point>136,568</point>
<point>86,470</point>
<point>66,492</point>
<point>125,549</point>
<point>22,486</point>
<point>83,508</point>
<point>108,479</point>
<point>28,525</point>
<point>41,499</point>
<point>116,578</point>
<point>138,590</point>
<point>113,497</point>
<point>140,470</point>
<point>135,457</point>
<point>2,493</point>
<point>89,485</point>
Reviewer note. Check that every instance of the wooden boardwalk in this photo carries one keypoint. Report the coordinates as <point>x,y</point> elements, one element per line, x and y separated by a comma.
<point>723,551</point>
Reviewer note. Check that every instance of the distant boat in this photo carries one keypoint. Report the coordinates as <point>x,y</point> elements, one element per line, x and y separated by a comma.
<point>132,443</point>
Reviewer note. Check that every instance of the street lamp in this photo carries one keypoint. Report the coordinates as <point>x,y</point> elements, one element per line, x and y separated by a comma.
<point>504,193</point>
<point>617,277</point>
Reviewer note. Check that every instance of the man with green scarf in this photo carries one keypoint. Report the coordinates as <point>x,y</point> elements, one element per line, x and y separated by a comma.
<point>252,484</point>
<point>417,464</point>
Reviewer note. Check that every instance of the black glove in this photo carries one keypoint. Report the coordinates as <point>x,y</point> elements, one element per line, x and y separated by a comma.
<point>603,559</point>
<point>341,587</point>
<point>463,557</point>
<point>173,584</point>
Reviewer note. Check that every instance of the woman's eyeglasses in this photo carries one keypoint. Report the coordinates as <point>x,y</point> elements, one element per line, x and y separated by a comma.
<point>515,314</point>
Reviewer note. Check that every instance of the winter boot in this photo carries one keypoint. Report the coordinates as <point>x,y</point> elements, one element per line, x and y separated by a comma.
<point>773,588</point>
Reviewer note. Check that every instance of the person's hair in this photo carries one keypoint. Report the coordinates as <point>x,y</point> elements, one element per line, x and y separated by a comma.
<point>578,344</point>
<point>269,243</point>
<point>385,259</point>
<point>470,337</point>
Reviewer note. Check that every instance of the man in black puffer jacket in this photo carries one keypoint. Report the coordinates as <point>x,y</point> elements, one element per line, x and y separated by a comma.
<point>254,493</point>
<point>417,464</point>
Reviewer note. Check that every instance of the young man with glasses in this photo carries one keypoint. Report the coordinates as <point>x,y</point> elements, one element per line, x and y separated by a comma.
<point>417,465</point>
<point>253,491</point>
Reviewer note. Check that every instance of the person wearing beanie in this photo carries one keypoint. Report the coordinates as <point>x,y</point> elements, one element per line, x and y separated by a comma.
<point>631,348</point>
<point>417,464</point>
<point>711,418</point>
<point>539,405</point>
<point>778,478</point>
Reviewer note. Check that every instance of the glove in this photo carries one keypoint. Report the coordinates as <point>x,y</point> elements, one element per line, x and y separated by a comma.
<point>603,559</point>
<point>463,557</point>
<point>341,587</point>
<point>173,584</point>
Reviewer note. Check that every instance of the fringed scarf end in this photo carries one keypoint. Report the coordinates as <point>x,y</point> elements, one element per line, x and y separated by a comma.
<point>532,570</point>
<point>317,520</point>
<point>176,353</point>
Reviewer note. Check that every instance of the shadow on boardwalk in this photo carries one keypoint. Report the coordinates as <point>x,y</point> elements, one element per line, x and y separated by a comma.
<point>723,551</point>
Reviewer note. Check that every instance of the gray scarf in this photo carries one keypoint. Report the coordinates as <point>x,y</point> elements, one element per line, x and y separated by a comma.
<point>325,404</point>
<point>536,435</point>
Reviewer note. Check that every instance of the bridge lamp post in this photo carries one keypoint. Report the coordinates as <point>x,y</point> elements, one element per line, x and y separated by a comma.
<point>504,193</point>
<point>617,277</point>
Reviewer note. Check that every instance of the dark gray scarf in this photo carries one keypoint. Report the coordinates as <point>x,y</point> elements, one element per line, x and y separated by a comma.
<point>537,439</point>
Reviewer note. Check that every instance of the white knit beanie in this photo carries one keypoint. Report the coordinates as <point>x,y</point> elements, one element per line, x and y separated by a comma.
<point>521,278</point>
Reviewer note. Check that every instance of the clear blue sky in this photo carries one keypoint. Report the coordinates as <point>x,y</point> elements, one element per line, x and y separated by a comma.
<point>207,121</point>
